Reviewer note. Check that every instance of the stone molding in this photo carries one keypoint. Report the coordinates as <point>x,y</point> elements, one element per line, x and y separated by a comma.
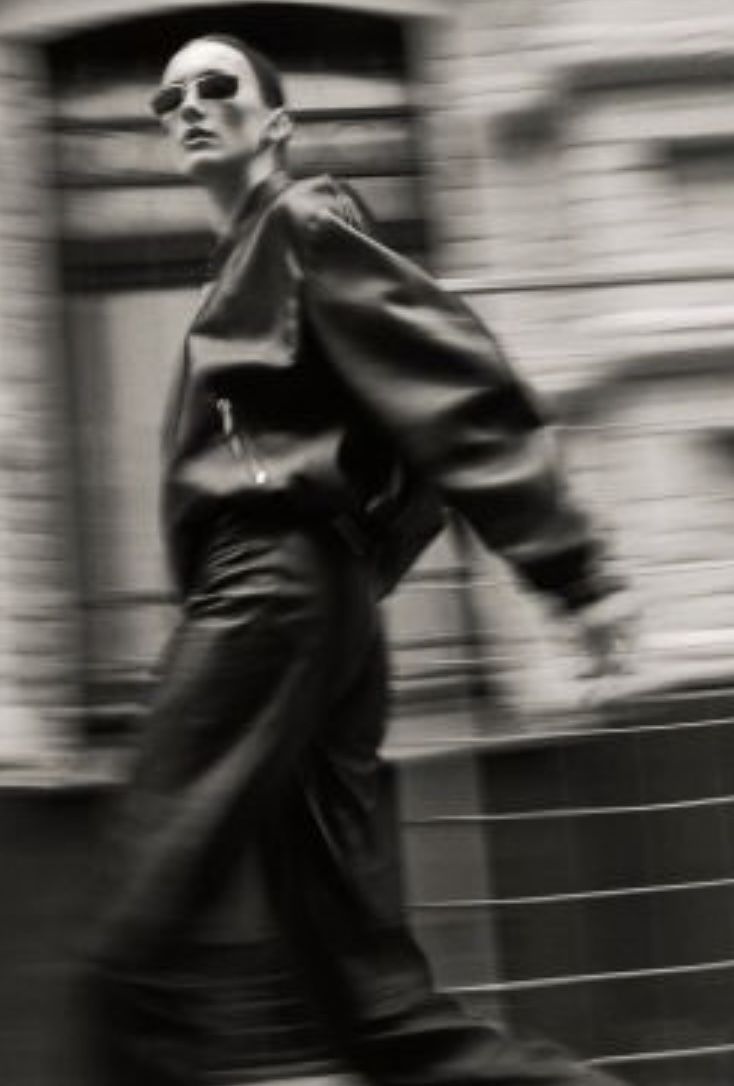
<point>44,19</point>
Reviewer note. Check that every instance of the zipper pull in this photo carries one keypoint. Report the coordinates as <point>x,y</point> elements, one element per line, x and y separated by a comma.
<point>239,443</point>
<point>224,407</point>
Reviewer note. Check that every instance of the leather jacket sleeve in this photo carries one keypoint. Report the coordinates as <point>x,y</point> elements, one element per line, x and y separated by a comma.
<point>436,380</point>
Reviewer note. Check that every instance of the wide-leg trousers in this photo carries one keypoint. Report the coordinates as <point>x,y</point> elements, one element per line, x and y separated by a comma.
<point>259,803</point>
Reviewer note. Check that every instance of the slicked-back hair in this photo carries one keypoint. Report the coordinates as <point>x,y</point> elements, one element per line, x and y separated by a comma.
<point>267,76</point>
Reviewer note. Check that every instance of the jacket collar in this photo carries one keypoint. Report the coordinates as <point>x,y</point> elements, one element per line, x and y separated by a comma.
<point>252,204</point>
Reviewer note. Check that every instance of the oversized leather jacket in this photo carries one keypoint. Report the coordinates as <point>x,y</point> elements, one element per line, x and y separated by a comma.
<point>327,380</point>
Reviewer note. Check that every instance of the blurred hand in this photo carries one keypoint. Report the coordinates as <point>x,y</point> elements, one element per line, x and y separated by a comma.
<point>607,631</point>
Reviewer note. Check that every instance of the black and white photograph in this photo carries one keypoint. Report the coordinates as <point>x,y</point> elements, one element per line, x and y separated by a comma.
<point>367,543</point>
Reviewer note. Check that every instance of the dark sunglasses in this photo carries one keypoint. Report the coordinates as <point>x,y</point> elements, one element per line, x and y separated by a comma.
<point>214,86</point>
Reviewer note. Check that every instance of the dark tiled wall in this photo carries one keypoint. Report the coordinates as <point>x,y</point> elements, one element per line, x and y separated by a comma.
<point>608,892</point>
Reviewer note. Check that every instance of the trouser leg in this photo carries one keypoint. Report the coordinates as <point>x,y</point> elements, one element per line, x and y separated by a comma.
<point>240,700</point>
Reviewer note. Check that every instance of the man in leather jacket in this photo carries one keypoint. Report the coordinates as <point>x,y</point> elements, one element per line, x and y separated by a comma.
<point>330,399</point>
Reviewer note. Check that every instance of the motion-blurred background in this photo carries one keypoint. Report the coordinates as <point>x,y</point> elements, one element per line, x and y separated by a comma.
<point>568,167</point>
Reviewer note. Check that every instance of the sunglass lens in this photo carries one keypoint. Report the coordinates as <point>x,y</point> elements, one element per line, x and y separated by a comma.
<point>165,100</point>
<point>217,85</point>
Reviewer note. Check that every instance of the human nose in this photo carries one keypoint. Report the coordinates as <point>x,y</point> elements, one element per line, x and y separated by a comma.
<point>191,104</point>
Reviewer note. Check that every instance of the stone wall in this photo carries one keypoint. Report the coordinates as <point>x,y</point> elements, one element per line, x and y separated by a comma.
<point>580,157</point>
<point>38,652</point>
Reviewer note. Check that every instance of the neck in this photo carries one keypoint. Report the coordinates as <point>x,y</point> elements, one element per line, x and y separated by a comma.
<point>228,192</point>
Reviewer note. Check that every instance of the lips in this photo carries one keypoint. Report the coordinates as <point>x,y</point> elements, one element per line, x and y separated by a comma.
<point>197,137</point>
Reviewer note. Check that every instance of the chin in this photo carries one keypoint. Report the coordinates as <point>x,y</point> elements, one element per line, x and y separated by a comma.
<point>201,164</point>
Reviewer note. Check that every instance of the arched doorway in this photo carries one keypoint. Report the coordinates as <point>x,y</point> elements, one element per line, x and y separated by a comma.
<point>134,241</point>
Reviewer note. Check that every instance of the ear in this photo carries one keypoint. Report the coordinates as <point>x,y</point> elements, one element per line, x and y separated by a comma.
<point>278,127</point>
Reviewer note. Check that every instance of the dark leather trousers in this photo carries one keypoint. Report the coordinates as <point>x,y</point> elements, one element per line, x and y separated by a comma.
<point>259,806</point>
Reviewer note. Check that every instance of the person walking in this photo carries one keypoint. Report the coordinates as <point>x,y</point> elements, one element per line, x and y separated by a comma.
<point>330,401</point>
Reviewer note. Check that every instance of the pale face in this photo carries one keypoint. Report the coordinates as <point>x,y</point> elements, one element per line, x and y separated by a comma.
<point>213,136</point>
